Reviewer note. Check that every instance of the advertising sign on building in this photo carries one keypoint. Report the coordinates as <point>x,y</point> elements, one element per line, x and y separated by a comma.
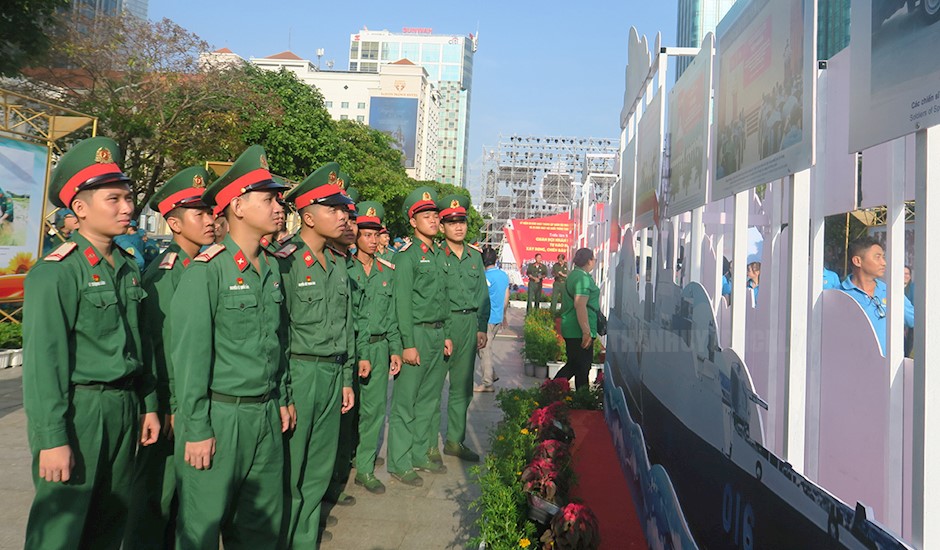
<point>764,93</point>
<point>649,162</point>
<point>397,117</point>
<point>895,70</point>
<point>689,118</point>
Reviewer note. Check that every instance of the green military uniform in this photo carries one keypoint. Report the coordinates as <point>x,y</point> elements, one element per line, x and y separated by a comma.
<point>322,346</point>
<point>559,274</point>
<point>535,270</point>
<point>152,519</point>
<point>420,291</point>
<point>469,309</point>
<point>84,384</point>
<point>377,338</point>
<point>227,346</point>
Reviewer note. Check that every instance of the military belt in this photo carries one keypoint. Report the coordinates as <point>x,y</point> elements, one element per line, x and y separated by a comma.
<point>237,399</point>
<point>127,383</point>
<point>465,311</point>
<point>338,359</point>
<point>435,324</point>
<point>375,338</point>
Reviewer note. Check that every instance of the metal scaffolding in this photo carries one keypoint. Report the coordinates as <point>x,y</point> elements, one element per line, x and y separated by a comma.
<point>535,176</point>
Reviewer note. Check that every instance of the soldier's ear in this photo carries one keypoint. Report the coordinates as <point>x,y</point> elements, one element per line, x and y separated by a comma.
<point>413,222</point>
<point>175,224</point>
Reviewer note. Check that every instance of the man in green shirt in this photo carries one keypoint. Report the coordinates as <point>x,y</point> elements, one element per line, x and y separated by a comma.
<point>232,389</point>
<point>85,389</point>
<point>469,313</point>
<point>536,272</point>
<point>560,275</point>
<point>383,251</point>
<point>420,292</point>
<point>377,339</point>
<point>152,520</point>
<point>322,346</point>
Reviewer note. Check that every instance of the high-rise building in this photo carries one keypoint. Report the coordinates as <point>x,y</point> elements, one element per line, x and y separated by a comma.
<point>448,60</point>
<point>832,22</point>
<point>696,19</point>
<point>92,8</point>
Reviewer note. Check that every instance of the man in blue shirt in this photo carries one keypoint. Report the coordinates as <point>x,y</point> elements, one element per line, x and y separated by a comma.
<point>867,288</point>
<point>498,282</point>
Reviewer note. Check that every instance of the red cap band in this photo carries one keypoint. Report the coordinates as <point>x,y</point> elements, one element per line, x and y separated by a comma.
<point>309,197</point>
<point>170,202</point>
<point>420,206</point>
<point>361,220</point>
<point>459,211</point>
<point>237,187</point>
<point>73,185</point>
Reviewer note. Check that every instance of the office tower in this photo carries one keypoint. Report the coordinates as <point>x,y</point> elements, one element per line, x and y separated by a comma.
<point>696,19</point>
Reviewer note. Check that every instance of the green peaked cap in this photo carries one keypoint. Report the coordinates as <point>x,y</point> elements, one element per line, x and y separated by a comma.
<point>421,199</point>
<point>370,215</point>
<point>324,186</point>
<point>249,172</point>
<point>453,207</point>
<point>88,164</point>
<point>183,189</point>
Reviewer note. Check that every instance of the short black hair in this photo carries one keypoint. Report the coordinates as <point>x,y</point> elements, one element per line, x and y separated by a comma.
<point>489,257</point>
<point>561,257</point>
<point>538,255</point>
<point>583,256</point>
<point>860,246</point>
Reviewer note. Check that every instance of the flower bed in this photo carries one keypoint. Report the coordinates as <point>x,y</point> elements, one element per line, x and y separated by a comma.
<point>526,478</point>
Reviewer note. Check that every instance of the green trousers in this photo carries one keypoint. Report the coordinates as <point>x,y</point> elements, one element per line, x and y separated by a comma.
<point>318,391</point>
<point>373,401</point>
<point>558,287</point>
<point>90,510</point>
<point>459,368</point>
<point>241,496</point>
<point>533,297</point>
<point>346,444</point>
<point>416,395</point>
<point>151,521</point>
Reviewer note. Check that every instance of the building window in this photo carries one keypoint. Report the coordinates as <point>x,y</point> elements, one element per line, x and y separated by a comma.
<point>361,105</point>
<point>450,72</point>
<point>452,53</point>
<point>391,51</point>
<point>328,104</point>
<point>431,53</point>
<point>370,50</point>
<point>353,66</point>
<point>371,67</point>
<point>411,52</point>
<point>353,50</point>
<point>344,105</point>
<point>344,117</point>
<point>361,118</point>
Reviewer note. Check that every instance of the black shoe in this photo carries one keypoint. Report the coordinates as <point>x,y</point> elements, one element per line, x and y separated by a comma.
<point>330,522</point>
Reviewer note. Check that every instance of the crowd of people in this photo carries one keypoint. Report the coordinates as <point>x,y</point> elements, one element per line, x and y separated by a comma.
<point>229,389</point>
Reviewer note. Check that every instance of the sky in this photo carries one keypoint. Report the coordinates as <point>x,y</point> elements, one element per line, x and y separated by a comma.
<point>542,68</point>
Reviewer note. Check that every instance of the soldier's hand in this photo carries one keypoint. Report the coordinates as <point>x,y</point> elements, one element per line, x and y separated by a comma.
<point>285,419</point>
<point>292,410</point>
<point>199,453</point>
<point>481,340</point>
<point>365,367</point>
<point>394,365</point>
<point>410,356</point>
<point>448,347</point>
<point>349,399</point>
<point>149,429</point>
<point>55,464</point>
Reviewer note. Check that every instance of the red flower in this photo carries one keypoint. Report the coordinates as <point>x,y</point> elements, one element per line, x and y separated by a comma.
<point>555,390</point>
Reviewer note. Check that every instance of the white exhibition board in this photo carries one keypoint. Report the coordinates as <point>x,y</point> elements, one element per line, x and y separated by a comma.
<point>895,71</point>
<point>836,168</point>
<point>689,123</point>
<point>649,161</point>
<point>765,89</point>
<point>627,182</point>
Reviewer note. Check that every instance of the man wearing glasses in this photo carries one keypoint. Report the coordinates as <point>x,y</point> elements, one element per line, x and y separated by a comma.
<point>867,288</point>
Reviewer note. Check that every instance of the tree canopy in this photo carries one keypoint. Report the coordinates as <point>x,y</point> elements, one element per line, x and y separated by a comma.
<point>25,32</point>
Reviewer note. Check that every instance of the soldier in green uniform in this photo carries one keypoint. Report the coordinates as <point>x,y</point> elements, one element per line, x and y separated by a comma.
<point>377,339</point>
<point>85,389</point>
<point>275,241</point>
<point>322,346</point>
<point>383,251</point>
<point>152,520</point>
<point>65,224</point>
<point>560,275</point>
<point>232,386</point>
<point>420,291</point>
<point>535,272</point>
<point>469,309</point>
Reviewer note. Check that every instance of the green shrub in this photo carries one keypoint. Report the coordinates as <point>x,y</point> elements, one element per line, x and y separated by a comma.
<point>541,341</point>
<point>11,335</point>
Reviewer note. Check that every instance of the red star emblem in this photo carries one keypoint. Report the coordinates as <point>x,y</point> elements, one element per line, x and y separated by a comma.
<point>240,281</point>
<point>96,278</point>
<point>309,278</point>
<point>186,262</point>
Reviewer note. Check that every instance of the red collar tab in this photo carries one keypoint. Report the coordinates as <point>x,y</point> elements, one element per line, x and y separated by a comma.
<point>265,241</point>
<point>241,261</point>
<point>379,265</point>
<point>308,258</point>
<point>186,262</point>
<point>92,257</point>
<point>424,248</point>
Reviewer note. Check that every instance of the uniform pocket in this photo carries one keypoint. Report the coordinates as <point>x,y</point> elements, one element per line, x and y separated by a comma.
<point>238,317</point>
<point>309,306</point>
<point>100,315</point>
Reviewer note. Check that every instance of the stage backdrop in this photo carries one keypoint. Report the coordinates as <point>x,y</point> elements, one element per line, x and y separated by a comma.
<point>895,71</point>
<point>764,92</point>
<point>549,236</point>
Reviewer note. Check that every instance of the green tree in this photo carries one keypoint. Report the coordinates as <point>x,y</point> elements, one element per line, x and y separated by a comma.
<point>26,32</point>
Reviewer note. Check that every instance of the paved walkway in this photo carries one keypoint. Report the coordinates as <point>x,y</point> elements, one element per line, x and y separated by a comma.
<point>431,517</point>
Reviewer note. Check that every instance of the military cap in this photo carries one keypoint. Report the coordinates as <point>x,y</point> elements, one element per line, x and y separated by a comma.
<point>383,231</point>
<point>60,216</point>
<point>369,215</point>
<point>184,189</point>
<point>88,164</point>
<point>421,199</point>
<point>324,186</point>
<point>454,207</point>
<point>249,172</point>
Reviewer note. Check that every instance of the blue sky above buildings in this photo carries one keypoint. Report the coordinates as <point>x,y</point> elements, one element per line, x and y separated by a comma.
<point>542,68</point>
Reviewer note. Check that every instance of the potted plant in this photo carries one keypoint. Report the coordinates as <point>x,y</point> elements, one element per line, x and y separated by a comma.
<point>11,344</point>
<point>541,481</point>
<point>556,451</point>
<point>551,422</point>
<point>573,527</point>
<point>541,344</point>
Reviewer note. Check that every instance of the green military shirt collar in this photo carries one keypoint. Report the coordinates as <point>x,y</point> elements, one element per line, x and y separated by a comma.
<point>241,260</point>
<point>94,257</point>
<point>309,258</point>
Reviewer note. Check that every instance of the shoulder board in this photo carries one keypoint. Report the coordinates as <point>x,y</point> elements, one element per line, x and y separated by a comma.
<point>336,251</point>
<point>286,250</point>
<point>285,238</point>
<point>475,247</point>
<point>210,253</point>
<point>64,250</point>
<point>386,263</point>
<point>406,247</point>
<point>169,260</point>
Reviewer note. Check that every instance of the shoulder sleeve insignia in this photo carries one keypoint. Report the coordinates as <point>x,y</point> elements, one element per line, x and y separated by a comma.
<point>64,250</point>
<point>169,260</point>
<point>210,252</point>
<point>386,263</point>
<point>286,251</point>
<point>406,247</point>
